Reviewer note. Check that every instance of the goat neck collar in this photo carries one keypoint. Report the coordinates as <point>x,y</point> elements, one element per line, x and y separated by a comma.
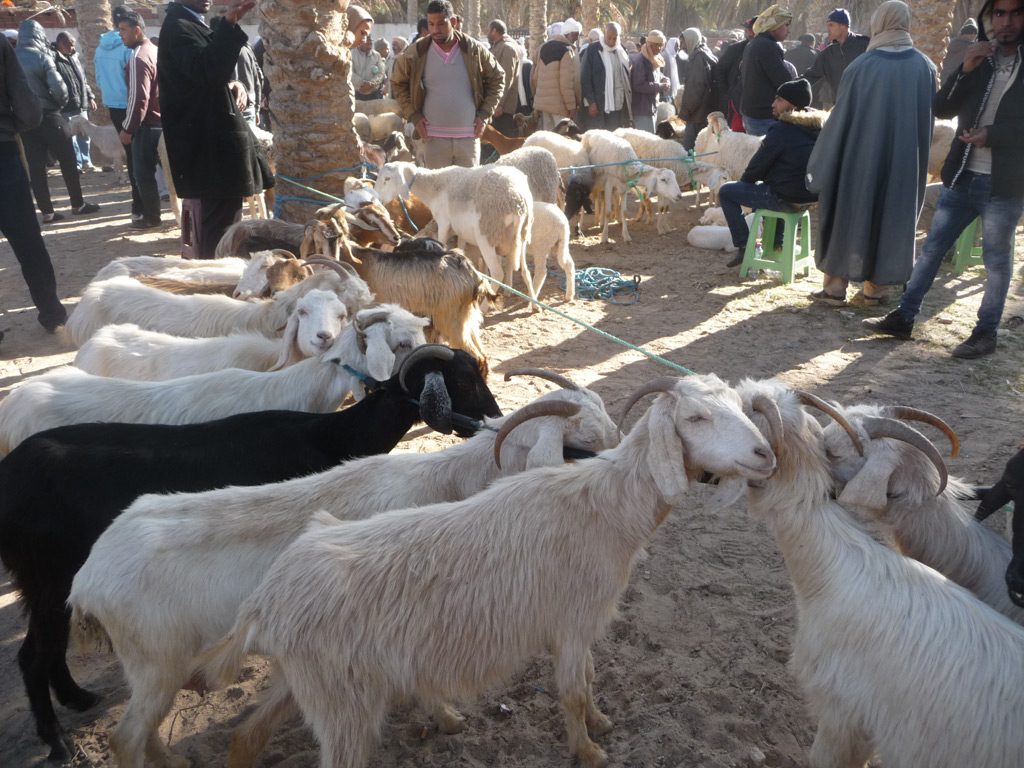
<point>369,383</point>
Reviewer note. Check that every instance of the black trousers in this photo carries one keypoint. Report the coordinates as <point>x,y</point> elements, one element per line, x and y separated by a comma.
<point>203,223</point>
<point>53,135</point>
<point>19,225</point>
<point>117,117</point>
<point>144,158</point>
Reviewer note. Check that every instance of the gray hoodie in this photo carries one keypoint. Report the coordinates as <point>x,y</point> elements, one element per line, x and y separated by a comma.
<point>36,58</point>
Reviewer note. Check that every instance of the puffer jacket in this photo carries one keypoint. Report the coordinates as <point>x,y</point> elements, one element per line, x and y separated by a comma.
<point>111,58</point>
<point>781,160</point>
<point>36,58</point>
<point>486,78</point>
<point>19,107</point>
<point>556,78</point>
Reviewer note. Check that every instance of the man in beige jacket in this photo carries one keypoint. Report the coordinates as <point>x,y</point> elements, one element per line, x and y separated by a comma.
<point>556,75</point>
<point>504,49</point>
<point>448,86</point>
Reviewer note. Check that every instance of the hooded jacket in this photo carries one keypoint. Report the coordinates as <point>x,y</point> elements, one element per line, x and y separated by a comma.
<point>964,96</point>
<point>781,160</point>
<point>19,107</point>
<point>111,58</point>
<point>36,58</point>
<point>556,77</point>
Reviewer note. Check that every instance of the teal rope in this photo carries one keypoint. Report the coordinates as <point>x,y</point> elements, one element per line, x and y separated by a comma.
<point>589,327</point>
<point>601,283</point>
<point>687,158</point>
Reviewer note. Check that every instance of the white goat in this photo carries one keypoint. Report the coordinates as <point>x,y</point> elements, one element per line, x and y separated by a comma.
<point>161,599</point>
<point>129,352</point>
<point>202,270</point>
<point>124,300</point>
<point>491,208</point>
<point>536,562</point>
<point>895,482</point>
<point>733,150</point>
<point>892,657</point>
<point>550,236</point>
<point>378,338</point>
<point>105,139</point>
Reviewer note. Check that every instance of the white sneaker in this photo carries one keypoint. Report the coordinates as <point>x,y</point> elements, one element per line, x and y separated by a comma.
<point>137,217</point>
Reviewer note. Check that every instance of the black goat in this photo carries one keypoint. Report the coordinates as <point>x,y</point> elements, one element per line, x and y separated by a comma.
<point>1010,488</point>
<point>61,488</point>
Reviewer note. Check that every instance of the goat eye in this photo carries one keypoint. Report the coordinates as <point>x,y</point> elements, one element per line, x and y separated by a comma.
<point>830,456</point>
<point>303,313</point>
<point>695,419</point>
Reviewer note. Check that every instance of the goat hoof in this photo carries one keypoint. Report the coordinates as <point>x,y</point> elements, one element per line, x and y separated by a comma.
<point>592,756</point>
<point>451,723</point>
<point>79,700</point>
<point>61,749</point>
<point>598,724</point>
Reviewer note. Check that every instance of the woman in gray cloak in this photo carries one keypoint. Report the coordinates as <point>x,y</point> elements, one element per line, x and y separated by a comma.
<point>870,163</point>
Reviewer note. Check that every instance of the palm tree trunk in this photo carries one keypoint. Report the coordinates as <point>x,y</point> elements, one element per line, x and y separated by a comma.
<point>311,102</point>
<point>589,16</point>
<point>538,26</point>
<point>93,18</point>
<point>932,21</point>
<point>472,25</point>
<point>656,15</point>
<point>411,12</point>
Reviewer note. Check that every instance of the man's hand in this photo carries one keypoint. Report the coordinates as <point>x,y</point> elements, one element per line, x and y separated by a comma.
<point>976,136</point>
<point>977,53</point>
<point>499,111</point>
<point>238,91</point>
<point>366,88</point>
<point>478,127</point>
<point>126,138</point>
<point>237,9</point>
<point>421,128</point>
<point>92,104</point>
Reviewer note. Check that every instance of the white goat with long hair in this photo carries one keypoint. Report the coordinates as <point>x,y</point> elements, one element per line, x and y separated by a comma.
<point>445,601</point>
<point>377,339</point>
<point>893,658</point>
<point>161,599</point>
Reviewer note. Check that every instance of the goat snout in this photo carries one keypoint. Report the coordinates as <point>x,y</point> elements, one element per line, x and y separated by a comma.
<point>761,463</point>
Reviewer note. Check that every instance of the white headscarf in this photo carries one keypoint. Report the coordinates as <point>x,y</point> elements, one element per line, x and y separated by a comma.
<point>671,49</point>
<point>555,29</point>
<point>612,57</point>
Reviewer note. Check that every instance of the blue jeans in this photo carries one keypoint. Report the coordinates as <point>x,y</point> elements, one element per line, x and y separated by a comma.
<point>756,126</point>
<point>81,143</point>
<point>735,194</point>
<point>957,208</point>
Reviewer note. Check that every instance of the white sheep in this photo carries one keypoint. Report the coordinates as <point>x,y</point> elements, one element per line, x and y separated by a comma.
<point>160,599</point>
<point>943,134</point>
<point>711,237</point>
<point>539,166</point>
<point>491,208</point>
<point>659,152</point>
<point>657,184</point>
<point>124,300</point>
<point>616,167</point>
<point>377,128</point>
<point>893,658</point>
<point>710,176</point>
<point>713,216</point>
<point>445,601</point>
<point>567,152</point>
<point>550,237</point>
<point>895,483</point>
<point>378,106</point>
<point>106,140</point>
<point>732,150</point>
<point>129,352</point>
<point>378,338</point>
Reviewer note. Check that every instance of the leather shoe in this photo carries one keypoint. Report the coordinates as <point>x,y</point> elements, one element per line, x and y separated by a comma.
<point>892,324</point>
<point>978,344</point>
<point>736,260</point>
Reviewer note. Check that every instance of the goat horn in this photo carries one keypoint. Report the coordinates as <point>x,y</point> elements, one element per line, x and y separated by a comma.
<point>542,373</point>
<point>660,384</point>
<point>437,351</point>
<point>914,414</point>
<point>532,411</point>
<point>806,398</point>
<point>283,253</point>
<point>366,318</point>
<point>885,427</point>
<point>343,269</point>
<point>770,410</point>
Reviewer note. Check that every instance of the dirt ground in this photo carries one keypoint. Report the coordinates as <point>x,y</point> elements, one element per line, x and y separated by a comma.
<point>693,672</point>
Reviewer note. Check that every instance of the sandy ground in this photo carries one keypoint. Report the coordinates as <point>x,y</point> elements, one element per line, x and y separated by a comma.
<point>693,673</point>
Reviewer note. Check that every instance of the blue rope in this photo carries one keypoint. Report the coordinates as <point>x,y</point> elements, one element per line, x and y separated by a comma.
<point>601,283</point>
<point>689,157</point>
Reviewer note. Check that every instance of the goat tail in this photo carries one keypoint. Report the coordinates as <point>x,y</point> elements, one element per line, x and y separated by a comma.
<point>220,664</point>
<point>87,633</point>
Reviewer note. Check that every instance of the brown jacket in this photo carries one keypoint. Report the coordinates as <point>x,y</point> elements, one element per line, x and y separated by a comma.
<point>485,77</point>
<point>508,59</point>
<point>556,78</point>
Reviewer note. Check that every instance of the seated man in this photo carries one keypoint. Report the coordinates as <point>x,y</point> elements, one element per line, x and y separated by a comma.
<point>774,178</point>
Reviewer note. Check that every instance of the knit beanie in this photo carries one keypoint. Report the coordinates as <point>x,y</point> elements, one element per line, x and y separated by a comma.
<point>796,92</point>
<point>839,16</point>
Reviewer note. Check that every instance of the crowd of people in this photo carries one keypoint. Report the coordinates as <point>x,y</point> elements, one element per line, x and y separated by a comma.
<point>865,166</point>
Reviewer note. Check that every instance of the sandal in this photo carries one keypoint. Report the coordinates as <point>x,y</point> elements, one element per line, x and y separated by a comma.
<point>860,300</point>
<point>828,298</point>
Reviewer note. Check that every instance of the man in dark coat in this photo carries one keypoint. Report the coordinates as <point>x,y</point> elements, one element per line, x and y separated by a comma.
<point>699,94</point>
<point>728,76</point>
<point>983,174</point>
<point>215,160</point>
<point>774,178</point>
<point>763,69</point>
<point>844,47</point>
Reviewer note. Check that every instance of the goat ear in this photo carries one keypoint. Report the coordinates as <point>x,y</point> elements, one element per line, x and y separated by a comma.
<point>547,449</point>
<point>665,450</point>
<point>380,359</point>
<point>436,404</point>
<point>408,173</point>
<point>289,344</point>
<point>867,489</point>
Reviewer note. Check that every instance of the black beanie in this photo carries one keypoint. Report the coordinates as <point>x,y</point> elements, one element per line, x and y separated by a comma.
<point>796,92</point>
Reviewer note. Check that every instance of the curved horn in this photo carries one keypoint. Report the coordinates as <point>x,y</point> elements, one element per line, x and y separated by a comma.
<point>806,398</point>
<point>436,351</point>
<point>543,373</point>
<point>283,253</point>
<point>660,384</point>
<point>770,410</point>
<point>532,411</point>
<point>343,269</point>
<point>885,427</point>
<point>915,414</point>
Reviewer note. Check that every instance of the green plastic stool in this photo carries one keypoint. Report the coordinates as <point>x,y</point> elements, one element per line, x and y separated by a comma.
<point>786,260</point>
<point>968,250</point>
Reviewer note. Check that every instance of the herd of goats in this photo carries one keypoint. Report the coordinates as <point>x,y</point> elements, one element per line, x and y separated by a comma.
<point>189,492</point>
